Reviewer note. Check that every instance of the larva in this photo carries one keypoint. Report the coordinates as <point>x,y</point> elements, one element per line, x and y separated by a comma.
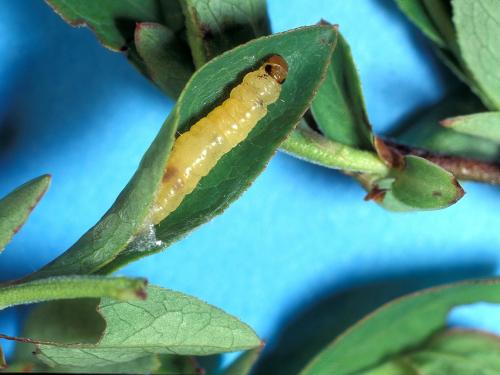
<point>198,150</point>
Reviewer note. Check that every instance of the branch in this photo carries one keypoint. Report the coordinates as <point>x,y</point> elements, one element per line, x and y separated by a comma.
<point>462,168</point>
<point>315,145</point>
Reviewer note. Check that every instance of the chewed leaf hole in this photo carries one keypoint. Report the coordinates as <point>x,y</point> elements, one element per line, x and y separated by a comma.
<point>482,316</point>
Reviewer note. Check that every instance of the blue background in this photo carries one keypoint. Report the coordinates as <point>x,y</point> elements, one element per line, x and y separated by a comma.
<point>80,112</point>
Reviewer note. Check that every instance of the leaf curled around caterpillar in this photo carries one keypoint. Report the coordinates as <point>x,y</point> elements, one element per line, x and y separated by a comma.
<point>198,150</point>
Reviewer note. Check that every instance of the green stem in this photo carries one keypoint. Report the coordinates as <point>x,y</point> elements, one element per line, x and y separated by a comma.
<point>304,143</point>
<point>66,287</point>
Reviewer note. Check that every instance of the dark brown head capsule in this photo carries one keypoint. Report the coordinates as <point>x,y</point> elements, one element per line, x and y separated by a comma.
<point>277,67</point>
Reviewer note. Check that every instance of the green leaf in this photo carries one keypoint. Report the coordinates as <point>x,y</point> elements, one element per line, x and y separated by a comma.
<point>307,51</point>
<point>339,107</point>
<point>424,185</point>
<point>124,220</point>
<point>457,352</point>
<point>71,321</point>
<point>113,21</point>
<point>484,125</point>
<point>71,287</point>
<point>398,326</point>
<point>166,59</point>
<point>214,27</point>
<point>416,11</point>
<point>16,207</point>
<point>423,129</point>
<point>244,363</point>
<point>478,26</point>
<point>166,323</point>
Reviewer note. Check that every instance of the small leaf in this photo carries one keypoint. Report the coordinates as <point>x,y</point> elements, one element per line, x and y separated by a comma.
<point>424,131</point>
<point>457,352</point>
<point>484,125</point>
<point>398,326</point>
<point>416,11</point>
<point>16,207</point>
<point>338,107</point>
<point>72,287</point>
<point>478,26</point>
<point>167,60</point>
<point>166,323</point>
<point>244,363</point>
<point>424,185</point>
<point>307,51</point>
<point>114,21</point>
<point>214,27</point>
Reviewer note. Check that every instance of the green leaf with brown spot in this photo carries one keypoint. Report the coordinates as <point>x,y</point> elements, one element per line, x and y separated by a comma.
<point>398,327</point>
<point>478,25</point>
<point>424,185</point>
<point>339,108</point>
<point>484,125</point>
<point>17,205</point>
<point>214,27</point>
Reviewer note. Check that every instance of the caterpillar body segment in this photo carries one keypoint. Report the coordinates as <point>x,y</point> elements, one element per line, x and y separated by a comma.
<point>198,150</point>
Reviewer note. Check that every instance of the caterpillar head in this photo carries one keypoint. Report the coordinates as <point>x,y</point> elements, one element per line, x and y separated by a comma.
<point>277,67</point>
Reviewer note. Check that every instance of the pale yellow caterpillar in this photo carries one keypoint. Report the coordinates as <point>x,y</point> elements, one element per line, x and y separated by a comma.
<point>198,150</point>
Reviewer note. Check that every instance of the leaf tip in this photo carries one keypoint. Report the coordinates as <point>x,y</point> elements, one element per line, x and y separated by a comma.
<point>449,122</point>
<point>460,191</point>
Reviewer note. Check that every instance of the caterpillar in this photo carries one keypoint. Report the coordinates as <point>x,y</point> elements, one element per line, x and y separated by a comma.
<point>198,150</point>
